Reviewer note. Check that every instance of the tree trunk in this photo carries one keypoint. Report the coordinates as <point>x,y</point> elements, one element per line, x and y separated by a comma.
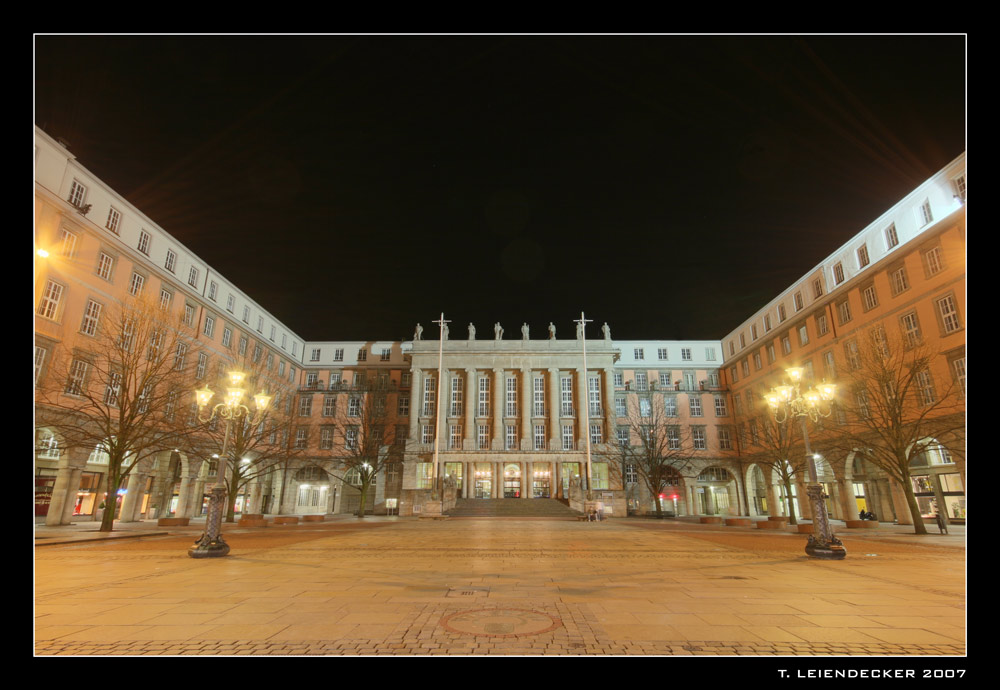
<point>911,501</point>
<point>364,500</point>
<point>659,508</point>
<point>791,502</point>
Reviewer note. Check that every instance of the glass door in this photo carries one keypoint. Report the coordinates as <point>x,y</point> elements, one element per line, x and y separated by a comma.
<point>512,481</point>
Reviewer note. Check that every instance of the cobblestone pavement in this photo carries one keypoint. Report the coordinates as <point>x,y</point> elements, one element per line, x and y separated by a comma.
<point>499,587</point>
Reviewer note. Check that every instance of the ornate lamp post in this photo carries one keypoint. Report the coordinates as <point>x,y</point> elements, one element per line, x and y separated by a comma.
<point>211,544</point>
<point>788,401</point>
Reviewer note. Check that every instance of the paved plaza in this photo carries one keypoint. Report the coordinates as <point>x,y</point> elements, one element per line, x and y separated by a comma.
<point>391,586</point>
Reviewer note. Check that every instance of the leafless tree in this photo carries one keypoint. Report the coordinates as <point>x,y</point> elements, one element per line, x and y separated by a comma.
<point>773,445</point>
<point>657,445</point>
<point>369,442</point>
<point>123,390</point>
<point>896,408</point>
<point>255,444</point>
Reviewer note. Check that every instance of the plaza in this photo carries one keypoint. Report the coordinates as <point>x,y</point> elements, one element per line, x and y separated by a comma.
<point>479,587</point>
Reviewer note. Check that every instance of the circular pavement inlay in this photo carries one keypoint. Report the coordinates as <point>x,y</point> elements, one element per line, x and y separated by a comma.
<point>500,622</point>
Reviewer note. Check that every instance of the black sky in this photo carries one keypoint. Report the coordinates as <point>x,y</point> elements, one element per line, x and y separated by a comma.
<point>354,185</point>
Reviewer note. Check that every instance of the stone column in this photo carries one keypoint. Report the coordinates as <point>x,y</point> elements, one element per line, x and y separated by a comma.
<point>444,390</point>
<point>848,505</point>
<point>608,405</point>
<point>183,497</point>
<point>527,386</point>
<point>580,402</point>
<point>471,404</point>
<point>526,480</point>
<point>553,402</point>
<point>497,483</point>
<point>805,506</point>
<point>772,501</point>
<point>132,499</point>
<point>63,492</point>
<point>499,393</point>
<point>70,504</point>
<point>416,404</point>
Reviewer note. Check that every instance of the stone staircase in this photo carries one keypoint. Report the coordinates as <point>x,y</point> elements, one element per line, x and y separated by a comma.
<point>512,507</point>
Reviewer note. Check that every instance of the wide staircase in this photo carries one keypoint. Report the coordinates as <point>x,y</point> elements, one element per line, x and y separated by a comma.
<point>512,507</point>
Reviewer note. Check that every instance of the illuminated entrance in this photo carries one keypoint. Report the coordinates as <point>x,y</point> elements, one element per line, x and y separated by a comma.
<point>512,481</point>
<point>482,481</point>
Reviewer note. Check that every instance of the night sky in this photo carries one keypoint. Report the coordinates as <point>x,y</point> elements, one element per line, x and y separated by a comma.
<point>355,185</point>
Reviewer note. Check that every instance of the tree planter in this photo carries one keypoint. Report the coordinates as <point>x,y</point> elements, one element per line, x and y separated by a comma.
<point>286,520</point>
<point>739,522</point>
<point>769,524</point>
<point>710,520</point>
<point>861,524</point>
<point>313,518</point>
<point>173,522</point>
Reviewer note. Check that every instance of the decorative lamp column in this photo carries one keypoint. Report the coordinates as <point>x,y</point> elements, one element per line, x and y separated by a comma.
<point>788,401</point>
<point>211,543</point>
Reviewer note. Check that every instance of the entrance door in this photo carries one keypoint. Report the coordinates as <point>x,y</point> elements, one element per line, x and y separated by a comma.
<point>512,481</point>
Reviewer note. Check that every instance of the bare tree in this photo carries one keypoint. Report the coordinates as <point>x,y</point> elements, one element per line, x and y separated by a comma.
<point>369,441</point>
<point>656,444</point>
<point>895,407</point>
<point>121,390</point>
<point>252,445</point>
<point>773,445</point>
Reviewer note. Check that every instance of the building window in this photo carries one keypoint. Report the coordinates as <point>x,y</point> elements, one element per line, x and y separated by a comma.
<point>135,285</point>
<point>958,371</point>
<point>638,353</point>
<point>869,298</point>
<point>105,265</point>
<point>326,438</point>
<point>144,239</point>
<point>246,315</point>
<point>686,353</point>
<point>511,408</point>
<point>674,438</point>
<point>483,437</point>
<point>260,324</point>
<point>227,336</point>
<point>40,353</point>
<point>596,434</point>
<point>767,322</point>
<point>863,259</point>
<point>457,396</point>
<point>273,333</point>
<point>661,353</point>
<point>821,325</point>
<point>664,380</point>
<point>429,397</point>
<point>384,356</point>
<point>619,379</point>
<point>797,300</point>
<point>948,313</point>
<point>786,345</point>
<point>645,407</point>
<point>171,261</point>
<point>338,355</point>
<point>925,387</point>
<point>817,288</point>
<point>725,439</point>
<point>455,437</point>
<point>720,406</point>
<point>49,304</point>
<point>202,366</point>
<point>314,355</point>
<point>710,354</point>
<point>670,405</point>
<point>77,377</point>
<point>193,277</point>
<point>782,315</point>
<point>403,406</point>
<point>510,438</point>
<point>891,239</point>
<point>362,355</point>
<point>852,354</point>
<point>756,361</point>
<point>243,345</point>
<point>566,396</point>
<point>209,329</point>
<point>620,407</point>
<point>898,280</point>
<point>803,335</point>
<point>114,220</point>
<point>829,365</point>
<point>213,290</point>
<point>698,438</point>
<point>622,434</point>
<point>189,312</point>
<point>925,212</point>
<point>90,318</point>
<point>911,329</point>
<point>844,312</point>
<point>77,194</point>
<point>838,273</point>
<point>538,397</point>
<point>695,403</point>
<point>230,303</point>
<point>932,261</point>
<point>567,437</point>
<point>770,353</point>
<point>641,381</point>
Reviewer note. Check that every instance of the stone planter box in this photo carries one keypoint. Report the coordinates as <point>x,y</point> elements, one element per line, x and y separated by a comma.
<point>777,518</point>
<point>769,524</point>
<point>806,528</point>
<point>313,518</point>
<point>252,516</point>
<point>286,520</point>
<point>173,522</point>
<point>710,520</point>
<point>856,524</point>
<point>249,521</point>
<point>739,522</point>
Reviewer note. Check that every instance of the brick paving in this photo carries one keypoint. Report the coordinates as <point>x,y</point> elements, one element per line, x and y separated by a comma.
<point>499,587</point>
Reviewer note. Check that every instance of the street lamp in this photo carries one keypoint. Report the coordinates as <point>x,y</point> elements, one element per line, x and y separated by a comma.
<point>211,544</point>
<point>788,401</point>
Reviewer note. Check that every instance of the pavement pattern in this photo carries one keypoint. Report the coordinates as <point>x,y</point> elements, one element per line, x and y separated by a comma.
<point>472,587</point>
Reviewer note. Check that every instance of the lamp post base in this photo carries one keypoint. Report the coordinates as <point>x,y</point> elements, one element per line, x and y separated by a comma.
<point>211,544</point>
<point>832,550</point>
<point>209,548</point>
